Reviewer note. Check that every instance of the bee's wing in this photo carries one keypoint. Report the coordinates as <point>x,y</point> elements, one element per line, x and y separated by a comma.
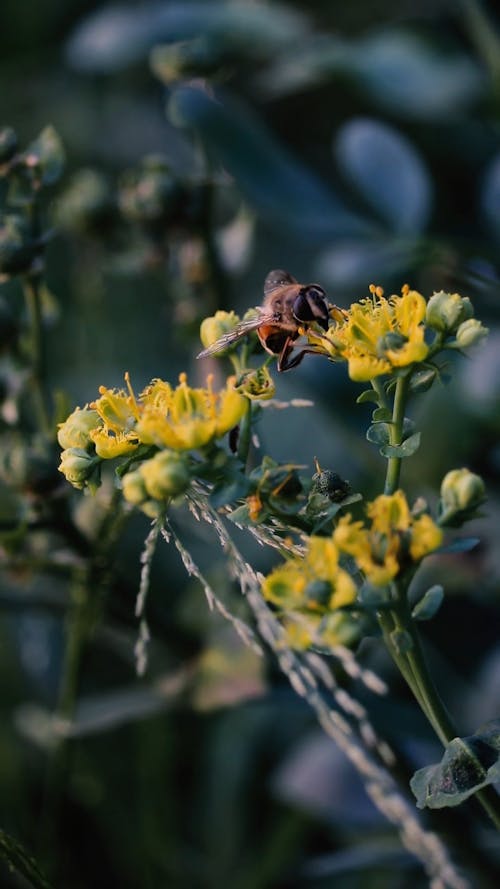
<point>277,278</point>
<point>241,329</point>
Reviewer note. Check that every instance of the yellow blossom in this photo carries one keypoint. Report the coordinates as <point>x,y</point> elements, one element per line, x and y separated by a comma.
<point>378,334</point>
<point>110,445</point>
<point>185,418</point>
<point>118,410</point>
<point>315,582</point>
<point>389,512</point>
<point>383,548</point>
<point>426,536</point>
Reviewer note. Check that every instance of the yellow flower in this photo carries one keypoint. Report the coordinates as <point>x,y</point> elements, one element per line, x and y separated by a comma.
<point>118,410</point>
<point>186,418</point>
<point>384,548</point>
<point>315,582</point>
<point>377,335</point>
<point>389,512</point>
<point>110,445</point>
<point>375,554</point>
<point>426,536</point>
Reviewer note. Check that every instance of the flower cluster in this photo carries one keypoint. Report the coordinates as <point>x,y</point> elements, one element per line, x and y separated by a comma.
<point>381,335</point>
<point>155,432</point>
<point>316,593</point>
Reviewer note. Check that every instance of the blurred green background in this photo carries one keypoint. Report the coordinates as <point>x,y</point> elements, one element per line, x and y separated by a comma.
<point>206,143</point>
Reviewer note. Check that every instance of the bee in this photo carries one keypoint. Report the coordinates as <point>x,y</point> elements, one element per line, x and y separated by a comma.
<point>288,309</point>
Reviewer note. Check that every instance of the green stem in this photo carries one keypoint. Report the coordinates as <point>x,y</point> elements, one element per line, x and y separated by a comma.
<point>396,434</point>
<point>245,435</point>
<point>414,669</point>
<point>31,287</point>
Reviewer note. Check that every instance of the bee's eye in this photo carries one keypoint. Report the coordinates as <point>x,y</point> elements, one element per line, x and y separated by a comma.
<point>310,305</point>
<point>315,293</point>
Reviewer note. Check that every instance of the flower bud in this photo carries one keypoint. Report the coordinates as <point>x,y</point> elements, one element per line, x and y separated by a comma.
<point>165,475</point>
<point>445,311</point>
<point>215,326</point>
<point>74,432</point>
<point>78,466</point>
<point>257,385</point>
<point>462,492</point>
<point>134,488</point>
<point>469,333</point>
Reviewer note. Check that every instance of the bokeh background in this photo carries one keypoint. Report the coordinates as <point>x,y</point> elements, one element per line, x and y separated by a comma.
<point>206,143</point>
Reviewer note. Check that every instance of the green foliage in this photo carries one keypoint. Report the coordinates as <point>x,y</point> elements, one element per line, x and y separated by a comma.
<point>468,765</point>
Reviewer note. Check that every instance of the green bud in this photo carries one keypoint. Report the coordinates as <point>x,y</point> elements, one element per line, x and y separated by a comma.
<point>462,492</point>
<point>8,144</point>
<point>217,325</point>
<point>445,311</point>
<point>134,488</point>
<point>165,475</point>
<point>469,333</point>
<point>18,251</point>
<point>74,432</point>
<point>257,385</point>
<point>78,466</point>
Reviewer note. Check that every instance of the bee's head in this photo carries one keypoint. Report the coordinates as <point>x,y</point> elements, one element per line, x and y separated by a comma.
<point>311,305</point>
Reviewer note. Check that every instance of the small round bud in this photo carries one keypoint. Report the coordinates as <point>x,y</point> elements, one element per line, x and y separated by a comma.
<point>74,432</point>
<point>469,333</point>
<point>217,325</point>
<point>462,492</point>
<point>165,475</point>
<point>78,466</point>
<point>134,488</point>
<point>8,144</point>
<point>445,311</point>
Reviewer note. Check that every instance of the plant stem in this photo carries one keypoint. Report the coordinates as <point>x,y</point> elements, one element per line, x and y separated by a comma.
<point>245,433</point>
<point>396,433</point>
<point>31,287</point>
<point>410,659</point>
<point>414,669</point>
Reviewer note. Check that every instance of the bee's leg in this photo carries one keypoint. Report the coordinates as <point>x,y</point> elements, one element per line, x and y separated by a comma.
<point>283,361</point>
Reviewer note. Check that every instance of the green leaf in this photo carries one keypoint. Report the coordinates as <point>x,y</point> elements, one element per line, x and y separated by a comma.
<point>116,36</point>
<point>422,380</point>
<point>46,155</point>
<point>406,449</point>
<point>231,488</point>
<point>275,183</point>
<point>368,395</point>
<point>381,415</point>
<point>429,604</point>
<point>387,172</point>
<point>379,434</point>
<point>468,764</point>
